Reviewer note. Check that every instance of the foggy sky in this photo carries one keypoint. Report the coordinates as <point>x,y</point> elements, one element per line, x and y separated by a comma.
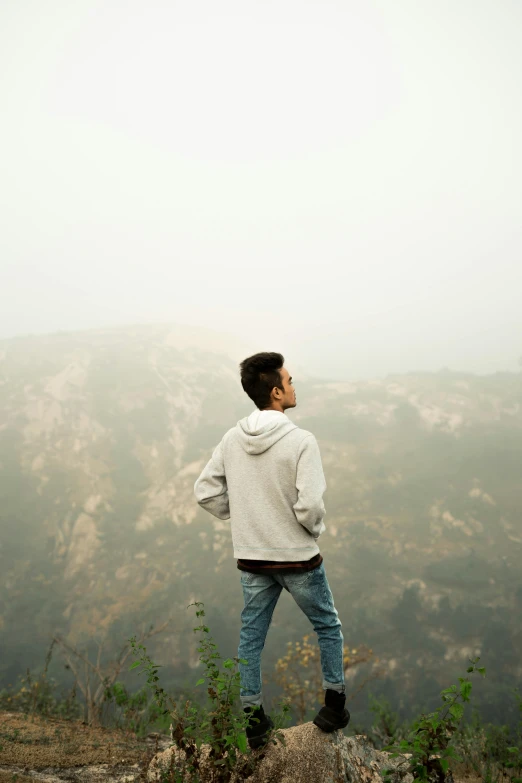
<point>338,181</point>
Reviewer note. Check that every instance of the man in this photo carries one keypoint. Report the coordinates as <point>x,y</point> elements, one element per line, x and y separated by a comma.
<point>266,476</point>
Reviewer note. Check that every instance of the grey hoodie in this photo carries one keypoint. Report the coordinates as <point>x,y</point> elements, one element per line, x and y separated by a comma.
<point>266,476</point>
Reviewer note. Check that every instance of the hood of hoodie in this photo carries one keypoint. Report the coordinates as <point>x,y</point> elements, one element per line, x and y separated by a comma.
<point>262,429</point>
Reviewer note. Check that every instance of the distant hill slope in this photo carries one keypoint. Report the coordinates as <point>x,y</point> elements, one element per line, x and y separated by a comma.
<point>103,433</point>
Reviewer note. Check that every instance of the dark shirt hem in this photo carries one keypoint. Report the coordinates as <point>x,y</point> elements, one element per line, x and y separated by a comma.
<point>275,567</point>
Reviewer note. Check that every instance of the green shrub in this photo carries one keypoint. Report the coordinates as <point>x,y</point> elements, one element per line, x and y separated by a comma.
<point>490,751</point>
<point>223,728</point>
<point>430,736</point>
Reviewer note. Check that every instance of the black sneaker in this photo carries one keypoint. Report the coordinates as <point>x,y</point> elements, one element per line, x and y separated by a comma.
<point>334,714</point>
<point>258,726</point>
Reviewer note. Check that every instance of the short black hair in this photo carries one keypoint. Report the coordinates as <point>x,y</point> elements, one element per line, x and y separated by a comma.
<point>259,374</point>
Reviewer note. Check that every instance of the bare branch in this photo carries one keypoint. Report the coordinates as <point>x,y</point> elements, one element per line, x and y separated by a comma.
<point>107,676</point>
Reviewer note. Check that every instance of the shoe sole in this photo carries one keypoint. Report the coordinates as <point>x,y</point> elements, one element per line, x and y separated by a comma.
<point>328,720</point>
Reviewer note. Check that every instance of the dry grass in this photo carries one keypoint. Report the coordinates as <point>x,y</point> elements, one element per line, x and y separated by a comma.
<point>36,742</point>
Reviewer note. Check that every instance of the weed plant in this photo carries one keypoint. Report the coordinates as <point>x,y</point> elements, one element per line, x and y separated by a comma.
<point>222,729</point>
<point>428,741</point>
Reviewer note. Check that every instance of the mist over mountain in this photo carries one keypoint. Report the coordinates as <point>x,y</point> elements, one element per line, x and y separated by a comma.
<point>103,433</point>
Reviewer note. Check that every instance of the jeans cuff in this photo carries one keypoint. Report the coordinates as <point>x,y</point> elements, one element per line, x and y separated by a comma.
<point>332,686</point>
<point>251,701</point>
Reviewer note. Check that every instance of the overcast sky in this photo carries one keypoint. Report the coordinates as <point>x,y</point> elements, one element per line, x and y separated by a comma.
<point>338,181</point>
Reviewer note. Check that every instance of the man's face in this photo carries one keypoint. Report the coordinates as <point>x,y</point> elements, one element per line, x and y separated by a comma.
<point>288,399</point>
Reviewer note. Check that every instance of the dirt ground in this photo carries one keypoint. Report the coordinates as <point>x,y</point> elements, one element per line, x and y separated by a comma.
<point>38,743</point>
<point>54,749</point>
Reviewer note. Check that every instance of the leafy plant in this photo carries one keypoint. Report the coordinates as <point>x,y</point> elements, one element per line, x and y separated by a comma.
<point>136,712</point>
<point>430,736</point>
<point>491,751</point>
<point>387,727</point>
<point>223,728</point>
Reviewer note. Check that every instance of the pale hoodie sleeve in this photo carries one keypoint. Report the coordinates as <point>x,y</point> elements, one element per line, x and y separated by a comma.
<point>311,485</point>
<point>211,489</point>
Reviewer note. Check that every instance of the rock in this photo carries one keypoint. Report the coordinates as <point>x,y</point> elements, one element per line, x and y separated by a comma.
<point>310,754</point>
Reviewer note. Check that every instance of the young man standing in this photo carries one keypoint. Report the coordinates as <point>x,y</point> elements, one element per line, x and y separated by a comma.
<point>266,476</point>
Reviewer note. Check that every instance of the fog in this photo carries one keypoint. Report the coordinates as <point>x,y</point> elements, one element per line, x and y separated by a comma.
<point>338,181</point>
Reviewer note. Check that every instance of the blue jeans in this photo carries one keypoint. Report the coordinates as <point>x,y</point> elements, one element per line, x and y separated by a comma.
<point>312,594</point>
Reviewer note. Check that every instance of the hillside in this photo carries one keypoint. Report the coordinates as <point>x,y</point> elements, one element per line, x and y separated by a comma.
<point>103,433</point>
